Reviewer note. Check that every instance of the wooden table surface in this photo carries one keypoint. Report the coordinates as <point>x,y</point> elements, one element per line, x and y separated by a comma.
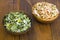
<point>38,30</point>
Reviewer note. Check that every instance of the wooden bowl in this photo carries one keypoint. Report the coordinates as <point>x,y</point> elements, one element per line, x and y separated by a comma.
<point>16,33</point>
<point>36,12</point>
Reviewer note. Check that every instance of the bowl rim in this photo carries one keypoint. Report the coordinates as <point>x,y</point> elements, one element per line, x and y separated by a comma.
<point>17,32</point>
<point>54,18</point>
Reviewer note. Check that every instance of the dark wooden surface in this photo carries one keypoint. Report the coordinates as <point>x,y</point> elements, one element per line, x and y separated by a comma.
<point>38,30</point>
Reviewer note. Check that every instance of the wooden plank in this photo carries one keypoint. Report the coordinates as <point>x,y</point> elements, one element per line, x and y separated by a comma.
<point>58,21</point>
<point>55,25</point>
<point>5,7</point>
<point>38,31</point>
<point>16,4</point>
<point>43,31</point>
<point>23,37</point>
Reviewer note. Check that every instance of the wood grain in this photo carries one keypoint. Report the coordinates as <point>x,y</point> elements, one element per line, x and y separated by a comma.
<point>5,7</point>
<point>3,10</point>
<point>38,30</point>
<point>55,26</point>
